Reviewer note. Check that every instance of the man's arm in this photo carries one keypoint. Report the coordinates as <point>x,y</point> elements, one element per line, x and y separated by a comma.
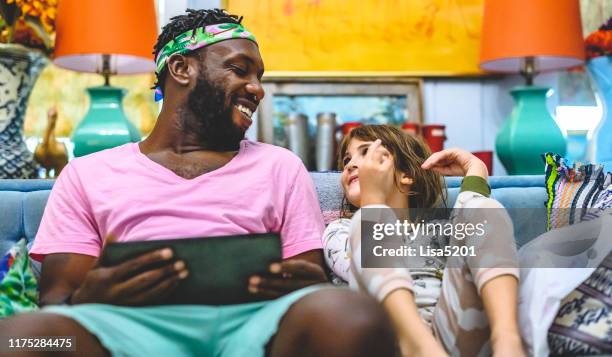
<point>313,256</point>
<point>61,275</point>
<point>77,279</point>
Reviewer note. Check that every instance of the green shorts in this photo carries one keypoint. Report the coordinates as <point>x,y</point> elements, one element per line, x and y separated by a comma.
<point>184,330</point>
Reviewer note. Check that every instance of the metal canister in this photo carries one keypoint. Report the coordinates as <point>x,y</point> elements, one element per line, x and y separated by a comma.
<point>296,130</point>
<point>326,141</point>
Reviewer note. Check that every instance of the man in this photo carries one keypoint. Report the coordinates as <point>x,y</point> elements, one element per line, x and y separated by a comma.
<point>194,176</point>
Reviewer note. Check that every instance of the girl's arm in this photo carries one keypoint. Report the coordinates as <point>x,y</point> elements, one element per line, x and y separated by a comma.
<point>456,162</point>
<point>393,288</point>
<point>499,297</point>
<point>415,338</point>
<point>500,290</point>
<point>336,249</point>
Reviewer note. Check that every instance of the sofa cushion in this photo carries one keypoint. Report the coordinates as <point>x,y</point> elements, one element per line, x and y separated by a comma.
<point>22,203</point>
<point>11,224</point>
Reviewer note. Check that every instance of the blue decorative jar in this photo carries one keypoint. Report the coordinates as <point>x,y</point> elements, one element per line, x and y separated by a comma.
<point>19,69</point>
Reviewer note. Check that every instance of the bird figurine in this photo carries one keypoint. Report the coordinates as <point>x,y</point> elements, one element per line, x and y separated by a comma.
<point>50,153</point>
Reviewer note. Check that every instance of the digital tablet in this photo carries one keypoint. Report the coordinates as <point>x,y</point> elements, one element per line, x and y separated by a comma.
<point>219,267</point>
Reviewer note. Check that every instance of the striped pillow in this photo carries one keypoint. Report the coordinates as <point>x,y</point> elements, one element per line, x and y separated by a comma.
<point>572,190</point>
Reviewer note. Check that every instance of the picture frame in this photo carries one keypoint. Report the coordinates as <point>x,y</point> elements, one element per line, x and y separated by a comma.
<point>336,86</point>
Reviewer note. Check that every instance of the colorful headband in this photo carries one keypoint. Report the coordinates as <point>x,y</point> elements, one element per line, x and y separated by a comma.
<point>204,36</point>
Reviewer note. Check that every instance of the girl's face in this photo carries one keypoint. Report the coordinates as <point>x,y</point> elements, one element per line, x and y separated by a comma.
<point>353,157</point>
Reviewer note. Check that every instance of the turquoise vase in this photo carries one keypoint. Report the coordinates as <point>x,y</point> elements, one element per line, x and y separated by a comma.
<point>600,148</point>
<point>529,132</point>
<point>105,124</point>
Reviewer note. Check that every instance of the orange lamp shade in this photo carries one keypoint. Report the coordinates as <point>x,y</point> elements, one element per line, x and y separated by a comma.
<point>548,30</point>
<point>124,29</point>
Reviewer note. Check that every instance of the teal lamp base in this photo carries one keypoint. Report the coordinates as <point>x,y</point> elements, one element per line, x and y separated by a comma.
<point>529,132</point>
<point>105,124</point>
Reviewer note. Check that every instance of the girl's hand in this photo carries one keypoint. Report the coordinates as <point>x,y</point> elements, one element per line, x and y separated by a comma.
<point>456,162</point>
<point>376,175</point>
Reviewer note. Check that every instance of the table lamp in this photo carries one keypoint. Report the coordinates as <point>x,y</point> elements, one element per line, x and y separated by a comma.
<point>106,37</point>
<point>529,37</point>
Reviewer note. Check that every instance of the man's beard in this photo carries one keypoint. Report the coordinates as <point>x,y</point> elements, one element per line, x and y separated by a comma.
<point>209,117</point>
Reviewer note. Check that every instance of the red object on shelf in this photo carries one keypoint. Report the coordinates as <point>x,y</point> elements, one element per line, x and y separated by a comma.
<point>487,158</point>
<point>434,135</point>
<point>411,128</point>
<point>348,126</point>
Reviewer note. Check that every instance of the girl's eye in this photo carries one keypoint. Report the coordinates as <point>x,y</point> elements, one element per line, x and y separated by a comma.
<point>346,161</point>
<point>364,151</point>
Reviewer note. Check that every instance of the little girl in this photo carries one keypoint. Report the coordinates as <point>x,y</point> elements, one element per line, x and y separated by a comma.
<point>457,305</point>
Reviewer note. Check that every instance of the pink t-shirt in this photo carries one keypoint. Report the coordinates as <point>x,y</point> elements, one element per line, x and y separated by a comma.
<point>122,192</point>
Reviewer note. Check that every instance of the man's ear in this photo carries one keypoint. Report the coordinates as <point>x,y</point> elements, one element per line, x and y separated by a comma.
<point>406,180</point>
<point>179,69</point>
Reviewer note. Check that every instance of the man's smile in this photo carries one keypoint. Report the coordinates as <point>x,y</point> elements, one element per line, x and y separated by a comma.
<point>246,108</point>
<point>246,111</point>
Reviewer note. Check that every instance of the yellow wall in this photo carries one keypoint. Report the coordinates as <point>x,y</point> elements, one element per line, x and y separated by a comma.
<point>417,37</point>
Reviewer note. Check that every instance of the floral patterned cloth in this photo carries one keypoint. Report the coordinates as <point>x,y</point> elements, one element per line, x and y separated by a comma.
<point>18,285</point>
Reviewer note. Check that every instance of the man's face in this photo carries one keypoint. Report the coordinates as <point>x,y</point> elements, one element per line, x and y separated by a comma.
<point>226,92</point>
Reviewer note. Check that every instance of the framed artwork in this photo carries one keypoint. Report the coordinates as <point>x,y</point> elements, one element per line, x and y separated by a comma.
<point>366,100</point>
<point>368,38</point>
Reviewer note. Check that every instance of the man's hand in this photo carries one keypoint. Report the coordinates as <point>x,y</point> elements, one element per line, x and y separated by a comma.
<point>131,283</point>
<point>285,277</point>
<point>456,162</point>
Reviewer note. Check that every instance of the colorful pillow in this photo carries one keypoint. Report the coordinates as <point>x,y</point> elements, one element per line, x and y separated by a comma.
<point>572,189</point>
<point>18,286</point>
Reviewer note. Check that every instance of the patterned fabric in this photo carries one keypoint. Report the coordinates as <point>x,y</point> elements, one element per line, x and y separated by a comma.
<point>583,325</point>
<point>572,189</point>
<point>18,286</point>
<point>19,69</point>
<point>190,41</point>
<point>603,203</point>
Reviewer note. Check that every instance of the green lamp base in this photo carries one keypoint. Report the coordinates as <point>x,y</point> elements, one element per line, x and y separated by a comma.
<point>529,132</point>
<point>105,124</point>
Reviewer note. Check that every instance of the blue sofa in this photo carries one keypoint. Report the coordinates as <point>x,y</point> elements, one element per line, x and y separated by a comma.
<point>22,203</point>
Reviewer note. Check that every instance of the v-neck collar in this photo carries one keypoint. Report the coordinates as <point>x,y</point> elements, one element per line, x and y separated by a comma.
<point>145,160</point>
